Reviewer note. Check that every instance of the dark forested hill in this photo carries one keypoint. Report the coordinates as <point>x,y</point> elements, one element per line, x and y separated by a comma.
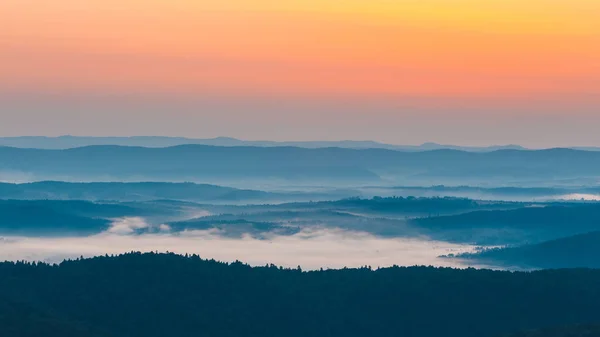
<point>56,218</point>
<point>552,216</point>
<point>156,295</point>
<point>61,217</point>
<point>529,224</point>
<point>200,162</point>
<point>571,252</point>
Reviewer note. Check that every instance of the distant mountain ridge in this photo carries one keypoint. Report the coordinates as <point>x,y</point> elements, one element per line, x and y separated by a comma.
<point>142,191</point>
<point>228,165</point>
<point>67,142</point>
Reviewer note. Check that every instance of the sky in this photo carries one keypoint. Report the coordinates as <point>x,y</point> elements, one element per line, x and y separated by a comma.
<point>400,71</point>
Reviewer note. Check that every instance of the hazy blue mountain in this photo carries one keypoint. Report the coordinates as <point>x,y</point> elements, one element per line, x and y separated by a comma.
<point>553,216</point>
<point>143,191</point>
<point>75,217</point>
<point>292,164</point>
<point>289,222</point>
<point>164,295</point>
<point>586,148</point>
<point>236,228</point>
<point>379,216</point>
<point>436,146</point>
<point>376,207</point>
<point>499,227</point>
<point>489,193</point>
<point>384,217</point>
<point>67,142</point>
<point>184,163</point>
<point>56,218</point>
<point>413,206</point>
<point>579,251</point>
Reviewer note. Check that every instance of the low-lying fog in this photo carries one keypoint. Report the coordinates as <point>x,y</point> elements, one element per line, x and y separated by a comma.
<point>311,249</point>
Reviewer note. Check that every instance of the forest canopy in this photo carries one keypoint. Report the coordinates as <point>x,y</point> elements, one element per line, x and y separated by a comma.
<point>154,295</point>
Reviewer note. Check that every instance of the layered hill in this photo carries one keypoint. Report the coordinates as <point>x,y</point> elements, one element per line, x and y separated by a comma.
<point>298,165</point>
<point>578,251</point>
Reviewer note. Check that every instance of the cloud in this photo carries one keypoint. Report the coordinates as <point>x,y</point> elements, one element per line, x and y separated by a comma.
<point>16,177</point>
<point>580,196</point>
<point>311,249</point>
<point>132,225</point>
<point>127,225</point>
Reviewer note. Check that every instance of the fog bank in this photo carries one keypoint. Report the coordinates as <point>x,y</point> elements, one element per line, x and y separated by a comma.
<point>311,249</point>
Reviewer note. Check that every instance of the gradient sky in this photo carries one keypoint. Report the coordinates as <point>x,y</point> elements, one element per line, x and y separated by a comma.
<point>401,71</point>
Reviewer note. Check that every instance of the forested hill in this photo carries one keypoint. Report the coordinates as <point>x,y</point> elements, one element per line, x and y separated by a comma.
<point>154,295</point>
<point>576,251</point>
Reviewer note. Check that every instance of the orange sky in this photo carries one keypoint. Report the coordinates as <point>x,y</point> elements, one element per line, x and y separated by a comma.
<point>303,47</point>
<point>401,71</point>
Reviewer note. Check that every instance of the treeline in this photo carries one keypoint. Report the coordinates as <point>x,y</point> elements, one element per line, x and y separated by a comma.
<point>156,295</point>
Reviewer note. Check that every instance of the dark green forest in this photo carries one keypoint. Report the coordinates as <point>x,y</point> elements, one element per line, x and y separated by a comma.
<point>570,331</point>
<point>156,295</point>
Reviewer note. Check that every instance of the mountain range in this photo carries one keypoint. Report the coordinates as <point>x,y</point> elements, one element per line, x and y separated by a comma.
<point>228,165</point>
<point>146,191</point>
<point>67,142</point>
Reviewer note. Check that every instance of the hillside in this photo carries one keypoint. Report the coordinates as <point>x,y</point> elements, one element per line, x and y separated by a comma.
<point>156,295</point>
<point>528,224</point>
<point>579,251</point>
<point>55,218</point>
<point>141,191</point>
<point>59,217</point>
